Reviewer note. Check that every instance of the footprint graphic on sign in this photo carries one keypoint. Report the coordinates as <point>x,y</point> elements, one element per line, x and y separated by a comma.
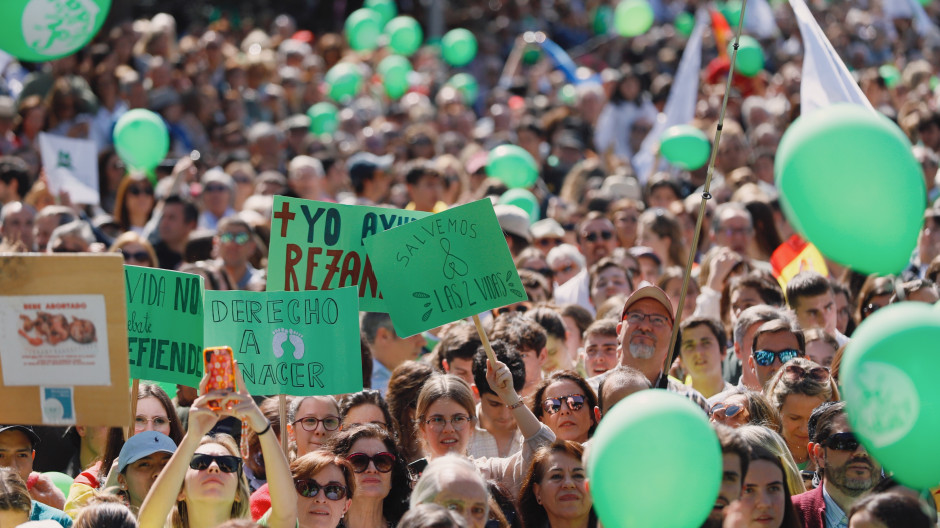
<point>287,340</point>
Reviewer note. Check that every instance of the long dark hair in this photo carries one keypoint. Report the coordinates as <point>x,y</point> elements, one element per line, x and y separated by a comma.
<point>367,397</point>
<point>590,398</point>
<point>533,514</point>
<point>790,518</point>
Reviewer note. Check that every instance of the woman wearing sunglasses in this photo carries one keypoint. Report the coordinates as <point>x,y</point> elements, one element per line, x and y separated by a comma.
<point>382,481</point>
<point>324,485</point>
<point>134,203</point>
<point>565,403</point>
<point>554,492</point>
<point>795,390</point>
<point>742,406</point>
<point>203,485</point>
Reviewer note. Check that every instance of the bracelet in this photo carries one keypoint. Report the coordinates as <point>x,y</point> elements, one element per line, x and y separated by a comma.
<point>265,430</point>
<point>519,403</point>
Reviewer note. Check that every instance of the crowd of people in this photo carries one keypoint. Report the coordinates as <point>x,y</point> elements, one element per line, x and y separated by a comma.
<point>441,436</point>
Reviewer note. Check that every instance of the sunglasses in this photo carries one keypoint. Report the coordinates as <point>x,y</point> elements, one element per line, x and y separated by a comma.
<point>573,401</point>
<point>139,256</point>
<point>215,188</point>
<point>796,372</point>
<point>226,463</point>
<point>765,358</point>
<point>545,272</point>
<point>239,238</point>
<point>548,242</point>
<point>310,488</point>
<point>330,423</point>
<point>383,461</point>
<point>134,190</point>
<point>728,411</point>
<point>842,442</point>
<point>594,235</point>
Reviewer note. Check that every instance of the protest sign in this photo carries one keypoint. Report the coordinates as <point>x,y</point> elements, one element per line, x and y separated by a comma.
<point>319,246</point>
<point>164,325</point>
<point>445,267</point>
<point>63,358</point>
<point>71,165</point>
<point>297,343</point>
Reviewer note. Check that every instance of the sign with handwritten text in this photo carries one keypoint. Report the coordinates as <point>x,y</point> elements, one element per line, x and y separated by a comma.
<point>296,343</point>
<point>445,267</point>
<point>164,325</point>
<point>320,246</point>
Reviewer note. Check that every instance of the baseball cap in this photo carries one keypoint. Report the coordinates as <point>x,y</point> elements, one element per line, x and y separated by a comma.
<point>644,251</point>
<point>547,228</point>
<point>217,175</point>
<point>648,292</point>
<point>143,445</point>
<point>25,429</point>
<point>513,220</point>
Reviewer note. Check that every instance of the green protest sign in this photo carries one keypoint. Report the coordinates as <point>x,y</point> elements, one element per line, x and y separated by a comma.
<point>445,267</point>
<point>297,343</point>
<point>164,325</point>
<point>319,246</point>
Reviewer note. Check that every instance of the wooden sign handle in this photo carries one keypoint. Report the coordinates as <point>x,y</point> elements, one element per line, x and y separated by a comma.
<point>282,417</point>
<point>486,342</point>
<point>135,387</point>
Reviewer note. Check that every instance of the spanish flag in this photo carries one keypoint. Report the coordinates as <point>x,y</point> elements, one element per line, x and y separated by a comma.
<point>722,32</point>
<point>796,255</point>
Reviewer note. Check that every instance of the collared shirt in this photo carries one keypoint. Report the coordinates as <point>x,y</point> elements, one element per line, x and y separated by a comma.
<point>483,443</point>
<point>833,514</point>
<point>380,377</point>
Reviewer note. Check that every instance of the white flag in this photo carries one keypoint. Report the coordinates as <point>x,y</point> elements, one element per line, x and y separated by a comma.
<point>759,19</point>
<point>71,165</point>
<point>680,105</point>
<point>826,80</point>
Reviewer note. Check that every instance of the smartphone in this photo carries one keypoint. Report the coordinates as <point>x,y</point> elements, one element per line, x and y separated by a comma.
<point>220,366</point>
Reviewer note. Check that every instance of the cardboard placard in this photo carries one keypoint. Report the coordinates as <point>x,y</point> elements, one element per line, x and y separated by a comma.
<point>73,280</point>
<point>164,325</point>
<point>296,343</point>
<point>445,267</point>
<point>71,165</point>
<point>319,246</point>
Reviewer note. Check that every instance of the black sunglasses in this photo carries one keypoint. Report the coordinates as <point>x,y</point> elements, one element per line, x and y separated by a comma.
<point>553,405</point>
<point>137,191</point>
<point>594,235</point>
<point>139,256</point>
<point>310,488</point>
<point>226,463</point>
<point>842,442</point>
<point>383,461</point>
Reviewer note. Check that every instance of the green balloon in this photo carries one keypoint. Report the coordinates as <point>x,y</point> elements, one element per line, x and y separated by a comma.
<point>523,199</point>
<point>60,480</point>
<point>567,95</point>
<point>731,11</point>
<point>394,70</point>
<point>633,17</point>
<point>602,19</point>
<point>385,8</point>
<point>842,171</point>
<point>404,35</point>
<point>363,28</point>
<point>344,81</point>
<point>667,439</point>
<point>512,165</point>
<point>141,139</point>
<point>750,59</point>
<point>41,30</point>
<point>890,74</point>
<point>685,146</point>
<point>888,375</point>
<point>685,23</point>
<point>531,55</point>
<point>324,118</point>
<point>458,47</point>
<point>467,85</point>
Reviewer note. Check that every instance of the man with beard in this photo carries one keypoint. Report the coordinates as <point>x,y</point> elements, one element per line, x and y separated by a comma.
<point>845,467</point>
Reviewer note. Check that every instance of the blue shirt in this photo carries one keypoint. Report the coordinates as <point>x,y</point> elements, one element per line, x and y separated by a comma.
<point>380,377</point>
<point>835,517</point>
<point>41,512</point>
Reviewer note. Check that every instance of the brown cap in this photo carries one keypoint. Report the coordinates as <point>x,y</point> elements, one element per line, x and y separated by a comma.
<point>648,292</point>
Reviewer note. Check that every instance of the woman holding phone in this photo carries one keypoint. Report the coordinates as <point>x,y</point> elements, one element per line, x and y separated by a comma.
<point>204,485</point>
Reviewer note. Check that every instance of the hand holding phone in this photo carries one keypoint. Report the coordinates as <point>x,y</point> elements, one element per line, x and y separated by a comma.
<point>220,371</point>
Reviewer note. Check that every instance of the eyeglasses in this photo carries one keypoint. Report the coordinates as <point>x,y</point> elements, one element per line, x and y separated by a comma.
<point>594,235</point>
<point>239,238</point>
<point>310,488</point>
<point>135,190</point>
<point>545,272</point>
<point>139,256</point>
<point>330,423</point>
<point>765,358</point>
<point>226,463</point>
<point>574,402</point>
<point>636,318</point>
<point>820,374</point>
<point>157,421</point>
<point>457,421</point>
<point>215,188</point>
<point>383,461</point>
<point>842,442</point>
<point>728,411</point>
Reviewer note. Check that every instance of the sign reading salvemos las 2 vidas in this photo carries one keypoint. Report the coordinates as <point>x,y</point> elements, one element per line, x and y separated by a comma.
<point>445,267</point>
<point>296,343</point>
<point>319,246</point>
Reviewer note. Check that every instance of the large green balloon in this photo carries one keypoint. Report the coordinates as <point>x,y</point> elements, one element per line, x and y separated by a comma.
<point>651,441</point>
<point>141,139</point>
<point>685,23</point>
<point>750,59</point>
<point>849,184</point>
<point>458,47</point>
<point>385,8</point>
<point>60,480</point>
<point>394,70</point>
<point>523,199</point>
<point>344,80</point>
<point>633,17</point>
<point>324,118</point>
<point>512,165</point>
<point>467,85</point>
<point>685,146</point>
<point>42,30</point>
<point>404,35</point>
<point>888,376</point>
<point>363,28</point>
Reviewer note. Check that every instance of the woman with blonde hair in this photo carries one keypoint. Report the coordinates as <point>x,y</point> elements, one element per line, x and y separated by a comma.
<point>135,249</point>
<point>760,437</point>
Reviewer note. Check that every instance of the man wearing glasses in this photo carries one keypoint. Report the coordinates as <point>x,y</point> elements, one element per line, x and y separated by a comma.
<point>733,227</point>
<point>775,343</point>
<point>596,240</point>
<point>845,468</point>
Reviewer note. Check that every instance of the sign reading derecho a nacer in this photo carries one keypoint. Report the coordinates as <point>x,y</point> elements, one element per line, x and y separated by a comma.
<point>451,265</point>
<point>296,343</point>
<point>320,246</point>
<point>164,325</point>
